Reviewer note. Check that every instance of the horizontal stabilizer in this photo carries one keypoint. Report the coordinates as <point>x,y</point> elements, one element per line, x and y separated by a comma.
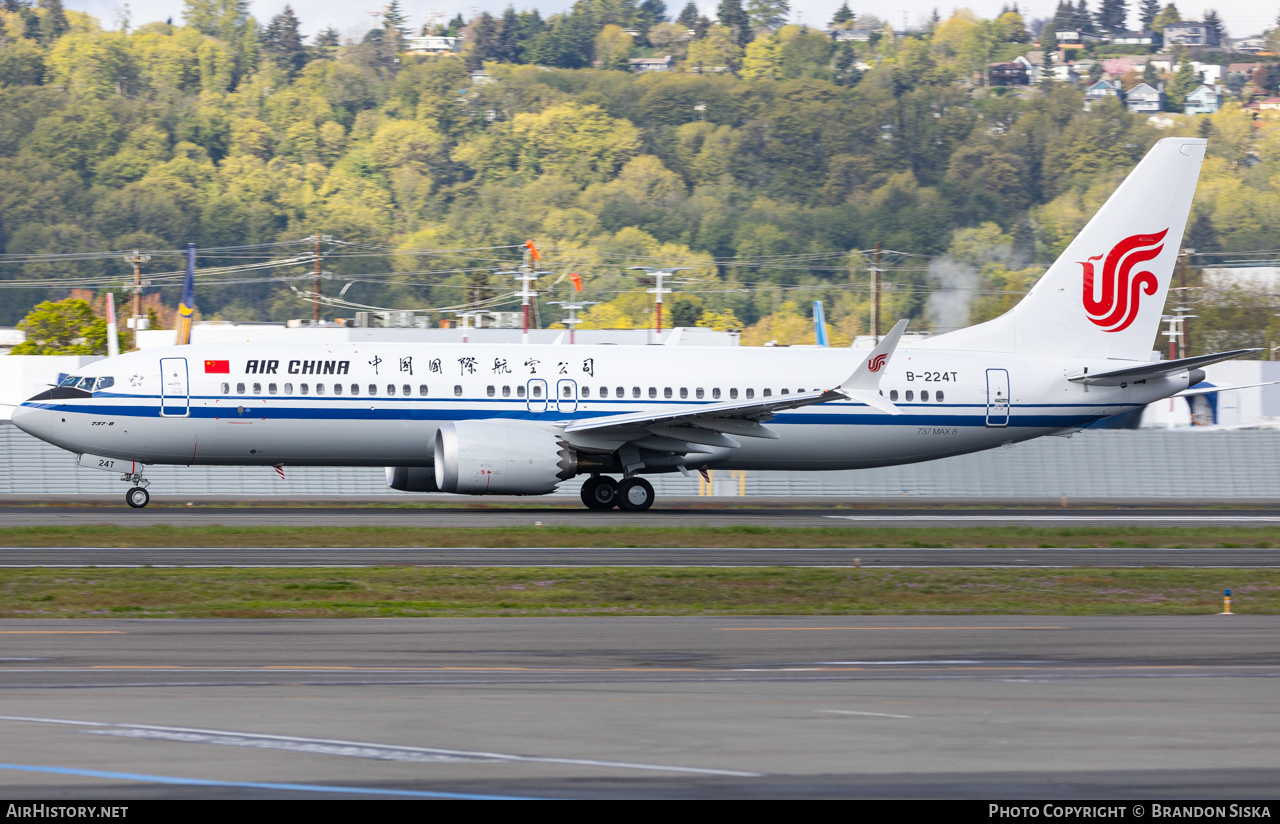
<point>1209,390</point>
<point>1155,369</point>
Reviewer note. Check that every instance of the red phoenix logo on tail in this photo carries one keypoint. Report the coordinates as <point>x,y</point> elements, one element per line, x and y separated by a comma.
<point>877,363</point>
<point>1113,304</point>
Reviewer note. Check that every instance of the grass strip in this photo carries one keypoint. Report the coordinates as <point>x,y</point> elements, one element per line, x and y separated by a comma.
<point>630,536</point>
<point>381,592</point>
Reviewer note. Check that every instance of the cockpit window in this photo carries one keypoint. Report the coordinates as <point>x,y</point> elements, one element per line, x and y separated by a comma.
<point>70,380</point>
<point>103,383</point>
<point>86,384</point>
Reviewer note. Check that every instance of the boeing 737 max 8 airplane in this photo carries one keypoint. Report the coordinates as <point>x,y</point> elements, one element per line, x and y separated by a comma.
<point>482,419</point>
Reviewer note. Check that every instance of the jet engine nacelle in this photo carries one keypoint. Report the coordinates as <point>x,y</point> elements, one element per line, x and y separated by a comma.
<point>412,478</point>
<point>500,458</point>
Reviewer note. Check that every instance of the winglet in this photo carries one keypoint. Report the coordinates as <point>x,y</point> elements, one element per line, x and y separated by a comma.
<point>864,384</point>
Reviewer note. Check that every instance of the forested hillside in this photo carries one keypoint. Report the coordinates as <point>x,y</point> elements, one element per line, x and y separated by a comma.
<point>222,133</point>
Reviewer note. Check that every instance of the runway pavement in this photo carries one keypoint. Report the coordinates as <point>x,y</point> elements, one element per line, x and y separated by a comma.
<point>692,513</point>
<point>629,556</point>
<point>822,706</point>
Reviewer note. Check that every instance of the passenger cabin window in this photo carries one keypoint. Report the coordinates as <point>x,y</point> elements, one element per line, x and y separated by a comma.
<point>337,388</point>
<point>391,389</point>
<point>924,394</point>
<point>373,389</point>
<point>768,393</point>
<point>491,390</point>
<point>226,389</point>
<point>567,391</point>
<point>271,388</point>
<point>537,390</point>
<point>653,391</point>
<point>506,391</point>
<point>751,393</point>
<point>785,392</point>
<point>699,392</point>
<point>355,389</point>
<point>586,391</point>
<point>715,394</point>
<point>457,390</point>
<point>422,390</point>
<point>257,389</point>
<point>684,392</point>
<point>408,390</point>
<point>288,389</point>
<point>635,391</point>
<point>666,393</point>
<point>938,396</point>
<point>519,391</point>
<point>302,389</point>
<point>319,388</point>
<point>893,394</point>
<point>239,388</point>
<point>911,395</point>
<point>620,392</point>
<point>733,394</point>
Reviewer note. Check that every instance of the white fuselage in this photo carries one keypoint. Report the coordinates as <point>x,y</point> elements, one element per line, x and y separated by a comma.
<point>380,404</point>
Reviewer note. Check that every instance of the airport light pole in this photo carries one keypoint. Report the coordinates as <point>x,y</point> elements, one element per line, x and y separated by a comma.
<point>573,319</point>
<point>658,291</point>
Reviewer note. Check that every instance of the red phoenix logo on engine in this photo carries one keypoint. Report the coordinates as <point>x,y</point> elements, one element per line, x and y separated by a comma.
<point>1113,303</point>
<point>877,363</point>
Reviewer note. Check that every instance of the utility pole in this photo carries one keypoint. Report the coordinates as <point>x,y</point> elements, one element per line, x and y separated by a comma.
<point>527,276</point>
<point>137,260</point>
<point>1185,340</point>
<point>875,295</point>
<point>658,290</point>
<point>315,307</point>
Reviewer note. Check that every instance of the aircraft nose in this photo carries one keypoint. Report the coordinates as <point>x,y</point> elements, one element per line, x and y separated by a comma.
<point>32,420</point>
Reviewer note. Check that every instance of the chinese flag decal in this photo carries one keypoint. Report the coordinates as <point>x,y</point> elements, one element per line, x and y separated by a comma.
<point>217,367</point>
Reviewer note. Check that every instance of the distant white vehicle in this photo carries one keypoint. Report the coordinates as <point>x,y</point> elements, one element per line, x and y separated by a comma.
<point>519,419</point>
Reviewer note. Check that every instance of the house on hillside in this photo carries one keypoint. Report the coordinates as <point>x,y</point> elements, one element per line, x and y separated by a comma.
<point>1076,39</point>
<point>640,65</point>
<point>1136,38</point>
<point>1189,33</point>
<point>851,36</point>
<point>1271,104</point>
<point>1205,99</point>
<point>1012,73</point>
<point>1145,98</point>
<point>433,44</point>
<point>1102,90</point>
<point>1250,45</point>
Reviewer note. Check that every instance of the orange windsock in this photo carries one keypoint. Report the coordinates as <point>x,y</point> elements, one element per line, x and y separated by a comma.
<point>577,280</point>
<point>533,250</point>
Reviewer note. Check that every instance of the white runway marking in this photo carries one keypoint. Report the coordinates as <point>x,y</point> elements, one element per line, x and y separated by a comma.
<point>875,714</point>
<point>358,749</point>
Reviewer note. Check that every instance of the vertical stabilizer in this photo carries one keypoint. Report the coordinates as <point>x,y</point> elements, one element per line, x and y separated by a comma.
<point>1104,296</point>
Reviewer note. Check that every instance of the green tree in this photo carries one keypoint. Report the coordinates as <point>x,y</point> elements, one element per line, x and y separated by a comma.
<point>1147,13</point>
<point>282,43</point>
<point>53,23</point>
<point>64,327</point>
<point>843,15</point>
<point>1112,15</point>
<point>734,18</point>
<point>1168,14</point>
<point>1184,81</point>
<point>613,47</point>
<point>768,15</point>
<point>718,50</point>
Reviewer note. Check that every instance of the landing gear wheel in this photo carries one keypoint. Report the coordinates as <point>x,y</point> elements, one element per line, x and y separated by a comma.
<point>635,495</point>
<point>137,497</point>
<point>600,492</point>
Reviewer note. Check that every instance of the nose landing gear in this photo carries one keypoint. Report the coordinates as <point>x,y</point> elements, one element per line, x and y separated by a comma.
<point>138,496</point>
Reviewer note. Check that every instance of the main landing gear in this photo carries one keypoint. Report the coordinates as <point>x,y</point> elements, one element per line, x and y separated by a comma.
<point>631,495</point>
<point>138,496</point>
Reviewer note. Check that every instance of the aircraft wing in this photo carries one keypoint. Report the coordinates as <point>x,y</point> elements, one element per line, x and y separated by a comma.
<point>704,428</point>
<point>1155,369</point>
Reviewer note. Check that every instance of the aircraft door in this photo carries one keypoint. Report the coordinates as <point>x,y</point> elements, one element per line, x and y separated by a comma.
<point>536,396</point>
<point>175,396</point>
<point>566,395</point>
<point>998,400</point>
